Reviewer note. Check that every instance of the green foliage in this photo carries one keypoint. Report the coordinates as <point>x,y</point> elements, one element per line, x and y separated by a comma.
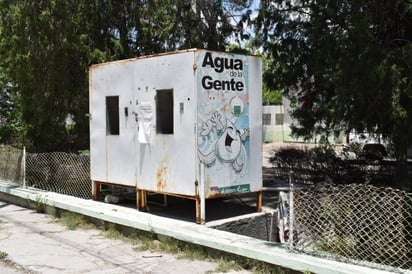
<point>290,156</point>
<point>39,204</point>
<point>348,63</point>
<point>48,46</point>
<point>45,62</point>
<point>271,94</point>
<point>225,265</point>
<point>73,221</point>
<point>211,24</point>
<point>112,232</point>
<point>3,255</point>
<point>11,126</point>
<point>235,48</point>
<point>271,97</point>
<point>144,240</point>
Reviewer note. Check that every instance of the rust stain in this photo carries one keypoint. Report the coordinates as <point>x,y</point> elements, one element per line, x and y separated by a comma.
<point>215,195</point>
<point>161,176</point>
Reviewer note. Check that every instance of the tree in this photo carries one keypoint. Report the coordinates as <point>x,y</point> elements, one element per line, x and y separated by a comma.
<point>348,63</point>
<point>45,50</point>
<point>270,96</point>
<point>10,120</point>
<point>48,46</point>
<point>211,24</point>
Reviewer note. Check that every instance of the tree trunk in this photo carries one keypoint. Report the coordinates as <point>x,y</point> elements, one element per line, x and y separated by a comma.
<point>401,179</point>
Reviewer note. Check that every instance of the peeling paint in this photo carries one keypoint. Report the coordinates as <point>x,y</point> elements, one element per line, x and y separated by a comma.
<point>161,175</point>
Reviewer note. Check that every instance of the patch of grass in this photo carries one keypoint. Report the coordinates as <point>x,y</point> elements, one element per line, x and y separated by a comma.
<point>38,204</point>
<point>3,255</point>
<point>225,265</point>
<point>111,232</point>
<point>194,253</point>
<point>225,261</point>
<point>142,241</point>
<point>147,241</point>
<point>182,250</point>
<point>144,244</point>
<point>74,221</point>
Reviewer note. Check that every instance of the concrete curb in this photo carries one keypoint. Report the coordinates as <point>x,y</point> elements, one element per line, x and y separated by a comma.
<point>249,247</point>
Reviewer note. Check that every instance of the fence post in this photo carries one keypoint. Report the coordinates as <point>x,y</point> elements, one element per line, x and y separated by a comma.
<point>24,166</point>
<point>291,213</point>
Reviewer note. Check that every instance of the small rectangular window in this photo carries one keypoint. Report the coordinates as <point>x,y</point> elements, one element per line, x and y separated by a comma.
<point>267,117</point>
<point>164,111</point>
<point>279,118</point>
<point>112,115</point>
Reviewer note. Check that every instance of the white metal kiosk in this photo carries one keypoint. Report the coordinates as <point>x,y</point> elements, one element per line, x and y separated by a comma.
<point>186,123</point>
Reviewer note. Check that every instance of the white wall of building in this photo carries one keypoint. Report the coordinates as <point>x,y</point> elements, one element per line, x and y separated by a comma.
<point>276,122</point>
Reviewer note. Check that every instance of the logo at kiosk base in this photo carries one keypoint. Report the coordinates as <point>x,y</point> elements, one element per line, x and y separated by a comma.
<point>231,189</point>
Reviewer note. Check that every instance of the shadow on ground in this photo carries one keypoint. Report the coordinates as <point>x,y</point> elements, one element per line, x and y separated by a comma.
<point>216,209</point>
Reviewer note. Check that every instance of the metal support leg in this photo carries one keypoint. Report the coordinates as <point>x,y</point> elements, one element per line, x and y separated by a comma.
<point>198,218</point>
<point>259,198</point>
<point>200,196</point>
<point>95,190</point>
<point>141,201</point>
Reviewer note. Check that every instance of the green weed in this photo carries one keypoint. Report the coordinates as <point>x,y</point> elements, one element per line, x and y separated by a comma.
<point>225,265</point>
<point>74,221</point>
<point>3,255</point>
<point>143,241</point>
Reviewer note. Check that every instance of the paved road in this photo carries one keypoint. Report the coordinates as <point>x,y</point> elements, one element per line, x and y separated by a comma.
<point>35,243</point>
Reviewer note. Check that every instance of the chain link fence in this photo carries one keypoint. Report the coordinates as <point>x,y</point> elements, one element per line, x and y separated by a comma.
<point>338,208</point>
<point>60,172</point>
<point>11,164</point>
<point>360,223</point>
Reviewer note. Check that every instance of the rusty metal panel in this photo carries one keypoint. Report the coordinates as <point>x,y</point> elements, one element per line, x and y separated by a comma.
<point>168,163</point>
<point>112,155</point>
